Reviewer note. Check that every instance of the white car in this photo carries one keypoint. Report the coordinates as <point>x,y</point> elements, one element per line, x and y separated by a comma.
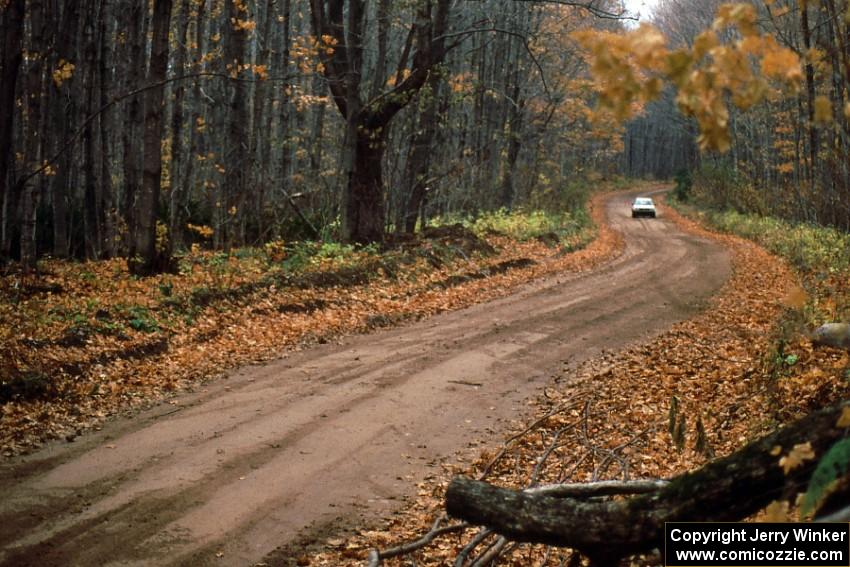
<point>643,207</point>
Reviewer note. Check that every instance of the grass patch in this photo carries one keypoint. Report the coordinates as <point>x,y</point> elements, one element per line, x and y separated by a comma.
<point>820,254</point>
<point>810,248</point>
<point>572,229</point>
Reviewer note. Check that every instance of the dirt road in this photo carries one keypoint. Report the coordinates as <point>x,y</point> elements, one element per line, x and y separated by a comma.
<point>338,432</point>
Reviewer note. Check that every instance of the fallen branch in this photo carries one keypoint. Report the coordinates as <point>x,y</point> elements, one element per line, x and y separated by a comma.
<point>507,444</point>
<point>598,488</point>
<point>375,556</point>
<point>727,489</point>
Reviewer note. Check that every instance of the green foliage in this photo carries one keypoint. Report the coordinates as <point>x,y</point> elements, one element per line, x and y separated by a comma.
<point>718,185</point>
<point>808,247</point>
<point>834,465</point>
<point>303,255</point>
<point>684,184</point>
<point>140,319</point>
<point>526,225</point>
<point>166,288</point>
<point>335,250</point>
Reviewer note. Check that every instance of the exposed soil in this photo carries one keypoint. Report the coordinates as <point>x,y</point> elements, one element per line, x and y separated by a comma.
<point>337,434</point>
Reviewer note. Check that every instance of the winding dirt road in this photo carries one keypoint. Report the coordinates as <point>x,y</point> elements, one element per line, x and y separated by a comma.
<point>337,433</point>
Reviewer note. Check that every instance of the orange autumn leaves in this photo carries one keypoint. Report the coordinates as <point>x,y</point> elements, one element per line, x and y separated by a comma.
<point>631,69</point>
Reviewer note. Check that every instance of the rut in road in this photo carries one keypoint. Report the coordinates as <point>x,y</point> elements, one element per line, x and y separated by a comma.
<point>337,433</point>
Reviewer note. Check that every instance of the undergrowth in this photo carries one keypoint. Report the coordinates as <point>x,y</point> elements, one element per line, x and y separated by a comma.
<point>571,229</point>
<point>820,254</point>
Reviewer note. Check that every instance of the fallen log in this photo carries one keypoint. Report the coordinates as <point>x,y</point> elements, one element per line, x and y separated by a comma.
<point>727,489</point>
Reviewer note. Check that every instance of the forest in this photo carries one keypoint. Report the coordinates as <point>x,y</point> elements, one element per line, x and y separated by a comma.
<point>232,123</point>
<point>128,126</point>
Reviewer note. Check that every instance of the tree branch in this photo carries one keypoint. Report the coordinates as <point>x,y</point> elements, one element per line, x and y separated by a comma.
<point>375,556</point>
<point>122,97</point>
<point>727,489</point>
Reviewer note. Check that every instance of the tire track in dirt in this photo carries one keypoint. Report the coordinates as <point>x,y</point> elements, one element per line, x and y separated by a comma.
<point>341,432</point>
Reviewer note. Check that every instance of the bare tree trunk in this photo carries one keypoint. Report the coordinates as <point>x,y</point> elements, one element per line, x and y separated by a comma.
<point>12,20</point>
<point>261,137</point>
<point>514,140</point>
<point>131,134</point>
<point>144,258</point>
<point>62,107</point>
<point>363,197</point>
<point>175,224</point>
<point>419,164</point>
<point>92,229</point>
<point>33,148</point>
<point>236,164</point>
<point>810,96</point>
<point>283,100</point>
<point>109,216</point>
<point>178,210</point>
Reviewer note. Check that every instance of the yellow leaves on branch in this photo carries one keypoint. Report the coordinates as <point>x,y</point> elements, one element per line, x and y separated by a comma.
<point>243,25</point>
<point>621,65</point>
<point>235,68</point>
<point>64,71</point>
<point>201,230</point>
<point>306,52</point>
<point>797,456</point>
<point>631,69</point>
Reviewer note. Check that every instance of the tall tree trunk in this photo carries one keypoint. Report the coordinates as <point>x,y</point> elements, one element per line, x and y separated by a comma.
<point>379,76</point>
<point>109,215</point>
<point>92,230</point>
<point>367,126</point>
<point>144,258</point>
<point>514,140</point>
<point>136,17</point>
<point>261,137</point>
<point>236,164</point>
<point>33,145</point>
<point>283,100</point>
<point>62,107</point>
<point>810,95</point>
<point>317,130</point>
<point>177,201</point>
<point>12,27</point>
<point>364,206</point>
<point>419,164</point>
<point>178,211</point>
